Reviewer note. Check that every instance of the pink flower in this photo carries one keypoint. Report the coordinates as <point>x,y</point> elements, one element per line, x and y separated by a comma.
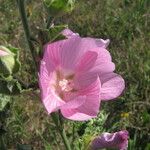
<point>118,140</point>
<point>76,74</point>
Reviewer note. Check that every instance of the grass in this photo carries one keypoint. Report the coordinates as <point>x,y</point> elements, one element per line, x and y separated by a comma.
<point>126,24</point>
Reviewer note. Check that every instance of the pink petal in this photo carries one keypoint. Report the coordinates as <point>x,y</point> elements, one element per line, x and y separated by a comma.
<point>52,52</point>
<point>103,67</point>
<point>52,102</point>
<point>91,42</point>
<point>3,53</point>
<point>103,63</point>
<point>102,43</point>
<point>82,80</point>
<point>87,61</point>
<point>70,53</point>
<point>68,33</point>
<point>117,140</point>
<point>49,64</point>
<point>90,66</point>
<point>90,108</point>
<point>46,79</point>
<point>103,55</point>
<point>112,86</point>
<point>74,48</point>
<point>75,103</point>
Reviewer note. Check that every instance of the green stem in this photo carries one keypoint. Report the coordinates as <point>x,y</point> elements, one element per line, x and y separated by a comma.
<point>61,130</point>
<point>73,134</point>
<point>21,5</point>
<point>2,143</point>
<point>65,140</point>
<point>48,22</point>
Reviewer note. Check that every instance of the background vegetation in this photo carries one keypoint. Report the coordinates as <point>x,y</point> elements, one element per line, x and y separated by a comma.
<point>126,24</point>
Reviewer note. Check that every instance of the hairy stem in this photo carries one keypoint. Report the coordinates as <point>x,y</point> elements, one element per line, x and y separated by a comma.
<point>59,126</point>
<point>65,140</point>
<point>21,5</point>
<point>48,22</point>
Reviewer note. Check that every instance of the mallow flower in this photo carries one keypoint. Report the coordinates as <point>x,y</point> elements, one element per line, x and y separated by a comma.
<point>76,74</point>
<point>117,140</point>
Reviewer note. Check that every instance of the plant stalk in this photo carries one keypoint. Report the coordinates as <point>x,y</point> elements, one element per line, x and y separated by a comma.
<point>65,140</point>
<point>22,11</point>
<point>56,120</point>
<point>2,143</point>
<point>48,22</point>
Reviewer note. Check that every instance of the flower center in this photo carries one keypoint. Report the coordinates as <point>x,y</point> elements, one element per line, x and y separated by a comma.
<point>66,85</point>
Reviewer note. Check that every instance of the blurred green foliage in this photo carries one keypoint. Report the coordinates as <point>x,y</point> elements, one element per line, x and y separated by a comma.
<point>126,23</point>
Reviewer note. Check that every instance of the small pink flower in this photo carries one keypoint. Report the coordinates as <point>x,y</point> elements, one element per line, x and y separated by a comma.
<point>76,74</point>
<point>117,140</point>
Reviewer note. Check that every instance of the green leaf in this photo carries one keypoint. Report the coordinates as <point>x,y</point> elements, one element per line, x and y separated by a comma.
<point>52,34</point>
<point>14,87</point>
<point>14,50</point>
<point>11,87</point>
<point>4,99</point>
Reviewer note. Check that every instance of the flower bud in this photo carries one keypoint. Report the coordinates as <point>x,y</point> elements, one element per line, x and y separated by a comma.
<point>8,61</point>
<point>117,140</point>
<point>58,7</point>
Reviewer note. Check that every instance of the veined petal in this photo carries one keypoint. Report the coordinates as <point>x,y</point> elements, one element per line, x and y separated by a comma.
<point>75,103</point>
<point>49,63</point>
<point>103,55</point>
<point>90,108</point>
<point>52,52</point>
<point>112,86</point>
<point>75,47</point>
<point>103,63</point>
<point>47,79</point>
<point>93,63</point>
<point>52,102</point>
<point>70,53</point>
<point>82,80</point>
<point>103,67</point>
<point>87,61</point>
